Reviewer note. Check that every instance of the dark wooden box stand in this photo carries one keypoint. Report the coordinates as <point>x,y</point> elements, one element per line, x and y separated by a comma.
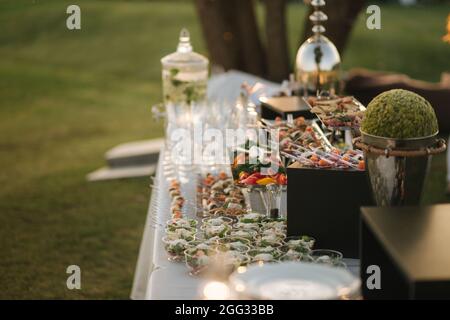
<point>411,248</point>
<point>282,106</point>
<point>325,204</point>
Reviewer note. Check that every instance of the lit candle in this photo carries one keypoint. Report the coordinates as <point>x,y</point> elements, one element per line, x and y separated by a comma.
<point>216,290</point>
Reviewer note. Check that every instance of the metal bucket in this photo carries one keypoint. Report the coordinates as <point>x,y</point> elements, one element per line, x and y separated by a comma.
<point>397,180</point>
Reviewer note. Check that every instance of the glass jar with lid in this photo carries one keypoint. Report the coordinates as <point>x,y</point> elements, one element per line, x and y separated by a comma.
<point>184,74</point>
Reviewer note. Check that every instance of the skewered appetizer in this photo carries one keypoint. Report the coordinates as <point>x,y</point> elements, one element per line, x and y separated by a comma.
<point>301,132</point>
<point>177,200</point>
<point>338,112</point>
<point>337,159</point>
<point>219,196</point>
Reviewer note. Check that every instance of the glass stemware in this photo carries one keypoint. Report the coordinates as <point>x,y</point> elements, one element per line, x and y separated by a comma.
<point>271,197</point>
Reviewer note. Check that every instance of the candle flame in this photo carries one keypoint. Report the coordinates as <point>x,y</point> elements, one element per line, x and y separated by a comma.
<point>216,290</point>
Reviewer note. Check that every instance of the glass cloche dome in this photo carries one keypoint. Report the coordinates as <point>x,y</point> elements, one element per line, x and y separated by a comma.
<point>318,62</point>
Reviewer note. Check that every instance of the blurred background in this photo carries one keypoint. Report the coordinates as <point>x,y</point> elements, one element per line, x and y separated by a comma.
<point>68,96</point>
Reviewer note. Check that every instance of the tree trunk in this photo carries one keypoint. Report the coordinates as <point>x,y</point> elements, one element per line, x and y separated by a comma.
<point>277,45</point>
<point>231,34</point>
<point>218,31</point>
<point>341,17</point>
<point>246,30</point>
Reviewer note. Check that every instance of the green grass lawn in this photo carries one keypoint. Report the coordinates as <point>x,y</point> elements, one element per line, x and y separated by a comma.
<point>68,96</point>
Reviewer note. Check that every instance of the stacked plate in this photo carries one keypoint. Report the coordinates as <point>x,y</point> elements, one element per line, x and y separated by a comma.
<point>294,281</point>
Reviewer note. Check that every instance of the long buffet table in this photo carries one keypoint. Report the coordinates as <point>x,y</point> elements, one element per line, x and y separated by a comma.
<point>156,277</point>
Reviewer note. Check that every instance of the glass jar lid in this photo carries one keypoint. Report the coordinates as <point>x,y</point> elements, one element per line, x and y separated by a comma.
<point>184,54</point>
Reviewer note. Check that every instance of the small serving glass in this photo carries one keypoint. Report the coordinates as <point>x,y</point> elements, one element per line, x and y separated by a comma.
<point>181,233</point>
<point>175,248</point>
<point>231,239</point>
<point>217,220</point>
<point>181,223</point>
<point>220,231</point>
<point>300,243</point>
<point>293,255</point>
<point>267,241</point>
<point>198,259</point>
<point>233,246</point>
<point>262,254</point>
<point>235,259</point>
<point>329,257</point>
<point>278,224</point>
<point>246,234</point>
<point>246,226</point>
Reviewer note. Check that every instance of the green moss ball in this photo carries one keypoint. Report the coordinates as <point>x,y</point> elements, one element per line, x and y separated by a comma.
<point>400,114</point>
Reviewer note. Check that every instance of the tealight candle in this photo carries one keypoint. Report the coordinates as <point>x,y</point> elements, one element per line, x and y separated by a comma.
<point>216,290</point>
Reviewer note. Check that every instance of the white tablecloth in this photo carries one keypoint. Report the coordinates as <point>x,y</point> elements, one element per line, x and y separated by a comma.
<point>156,277</point>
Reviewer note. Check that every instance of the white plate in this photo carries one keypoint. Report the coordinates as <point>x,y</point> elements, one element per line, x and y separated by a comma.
<point>295,281</point>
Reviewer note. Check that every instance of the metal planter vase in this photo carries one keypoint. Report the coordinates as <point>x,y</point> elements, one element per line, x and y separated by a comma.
<point>397,168</point>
